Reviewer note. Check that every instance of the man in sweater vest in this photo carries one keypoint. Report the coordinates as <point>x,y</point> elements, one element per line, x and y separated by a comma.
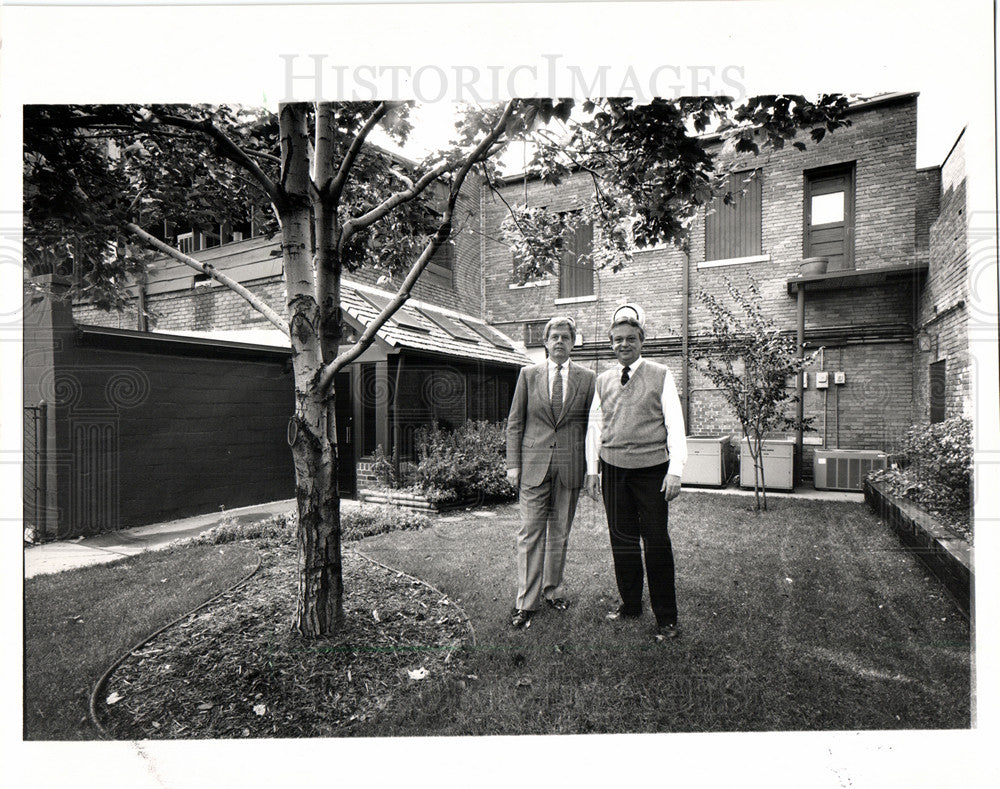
<point>635,437</point>
<point>546,430</point>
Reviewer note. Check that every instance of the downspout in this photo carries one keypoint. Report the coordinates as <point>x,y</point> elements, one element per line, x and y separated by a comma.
<point>685,331</point>
<point>800,339</point>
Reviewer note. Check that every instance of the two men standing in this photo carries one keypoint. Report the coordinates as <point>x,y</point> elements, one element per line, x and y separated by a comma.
<point>629,426</point>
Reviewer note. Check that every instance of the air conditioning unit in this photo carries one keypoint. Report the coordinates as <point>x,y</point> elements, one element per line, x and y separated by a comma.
<point>779,463</point>
<point>845,469</point>
<point>706,463</point>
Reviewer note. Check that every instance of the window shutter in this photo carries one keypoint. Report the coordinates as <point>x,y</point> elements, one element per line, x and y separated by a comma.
<point>576,271</point>
<point>734,230</point>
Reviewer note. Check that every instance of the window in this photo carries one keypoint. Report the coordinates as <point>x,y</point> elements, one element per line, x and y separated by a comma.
<point>937,390</point>
<point>733,230</point>
<point>829,216</point>
<point>576,270</point>
<point>534,334</point>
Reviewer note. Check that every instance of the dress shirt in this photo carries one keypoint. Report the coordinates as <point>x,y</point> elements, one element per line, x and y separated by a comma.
<point>673,420</point>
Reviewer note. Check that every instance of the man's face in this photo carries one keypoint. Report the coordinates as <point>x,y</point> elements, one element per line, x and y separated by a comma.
<point>559,344</point>
<point>626,343</point>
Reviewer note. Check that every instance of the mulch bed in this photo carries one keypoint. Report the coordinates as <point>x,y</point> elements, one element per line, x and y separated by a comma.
<point>235,669</point>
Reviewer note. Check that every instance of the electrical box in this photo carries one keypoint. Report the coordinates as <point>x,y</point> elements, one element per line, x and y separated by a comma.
<point>822,380</point>
<point>839,378</point>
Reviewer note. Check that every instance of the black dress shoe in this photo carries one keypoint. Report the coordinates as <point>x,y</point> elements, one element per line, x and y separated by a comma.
<point>559,604</point>
<point>621,612</point>
<point>521,618</point>
<point>666,632</point>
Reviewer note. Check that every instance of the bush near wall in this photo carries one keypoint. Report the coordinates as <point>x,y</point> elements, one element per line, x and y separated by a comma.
<point>934,470</point>
<point>466,464</point>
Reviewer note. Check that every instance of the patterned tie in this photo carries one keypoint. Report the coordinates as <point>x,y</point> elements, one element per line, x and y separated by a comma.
<point>557,393</point>
<point>625,376</point>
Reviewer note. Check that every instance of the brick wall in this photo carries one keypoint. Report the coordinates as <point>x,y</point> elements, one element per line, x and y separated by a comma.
<point>942,316</point>
<point>875,404</point>
<point>209,306</point>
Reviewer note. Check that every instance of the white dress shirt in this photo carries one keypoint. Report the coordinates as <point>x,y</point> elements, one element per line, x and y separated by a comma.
<point>673,420</point>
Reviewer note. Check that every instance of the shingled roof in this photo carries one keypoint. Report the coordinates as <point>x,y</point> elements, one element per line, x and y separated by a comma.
<point>417,325</point>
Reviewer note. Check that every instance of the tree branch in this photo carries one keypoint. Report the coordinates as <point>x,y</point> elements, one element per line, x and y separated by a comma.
<point>226,147</point>
<point>340,180</point>
<point>207,268</point>
<point>352,226</point>
<point>442,234</point>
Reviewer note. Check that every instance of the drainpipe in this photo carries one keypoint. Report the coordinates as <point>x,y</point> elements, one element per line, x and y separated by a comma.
<point>685,332</point>
<point>801,342</point>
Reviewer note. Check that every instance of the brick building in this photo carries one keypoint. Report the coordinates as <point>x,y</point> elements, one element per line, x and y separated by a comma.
<point>888,313</point>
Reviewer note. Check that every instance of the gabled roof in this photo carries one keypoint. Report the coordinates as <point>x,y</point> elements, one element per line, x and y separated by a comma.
<point>417,325</point>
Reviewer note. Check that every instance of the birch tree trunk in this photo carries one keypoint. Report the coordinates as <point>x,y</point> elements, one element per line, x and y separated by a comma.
<point>319,608</point>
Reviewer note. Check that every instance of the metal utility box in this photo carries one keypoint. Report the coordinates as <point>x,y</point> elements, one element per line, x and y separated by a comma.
<point>845,469</point>
<point>706,464</point>
<point>779,463</point>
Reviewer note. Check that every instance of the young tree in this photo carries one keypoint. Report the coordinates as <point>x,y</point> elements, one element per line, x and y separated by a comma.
<point>750,360</point>
<point>98,179</point>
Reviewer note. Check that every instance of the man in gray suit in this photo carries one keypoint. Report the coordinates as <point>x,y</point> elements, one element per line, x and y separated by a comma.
<point>546,431</point>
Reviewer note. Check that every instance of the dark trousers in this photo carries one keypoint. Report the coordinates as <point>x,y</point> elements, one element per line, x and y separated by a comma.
<point>637,512</point>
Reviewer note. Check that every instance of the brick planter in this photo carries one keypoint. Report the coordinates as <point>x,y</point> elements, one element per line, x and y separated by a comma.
<point>949,557</point>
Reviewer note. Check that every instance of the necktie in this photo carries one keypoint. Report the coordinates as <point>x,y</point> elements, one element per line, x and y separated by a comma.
<point>625,376</point>
<point>557,393</point>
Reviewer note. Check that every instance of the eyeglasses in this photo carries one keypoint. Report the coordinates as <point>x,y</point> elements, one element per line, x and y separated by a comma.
<point>632,339</point>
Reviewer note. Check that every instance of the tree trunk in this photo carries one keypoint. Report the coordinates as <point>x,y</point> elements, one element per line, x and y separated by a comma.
<point>319,606</point>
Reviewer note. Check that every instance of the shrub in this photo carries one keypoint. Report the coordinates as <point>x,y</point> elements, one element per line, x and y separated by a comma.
<point>276,530</point>
<point>356,524</point>
<point>466,464</point>
<point>384,469</point>
<point>934,468</point>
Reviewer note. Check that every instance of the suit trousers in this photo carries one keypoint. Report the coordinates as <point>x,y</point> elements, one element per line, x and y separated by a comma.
<point>547,511</point>
<point>637,522</point>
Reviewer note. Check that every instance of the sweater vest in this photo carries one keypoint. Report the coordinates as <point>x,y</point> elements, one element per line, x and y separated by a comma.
<point>633,434</point>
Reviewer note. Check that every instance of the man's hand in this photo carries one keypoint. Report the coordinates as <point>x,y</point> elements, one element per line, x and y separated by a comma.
<point>671,487</point>
<point>514,477</point>
<point>592,484</point>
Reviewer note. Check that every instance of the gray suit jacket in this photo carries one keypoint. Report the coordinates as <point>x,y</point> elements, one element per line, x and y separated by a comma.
<point>536,441</point>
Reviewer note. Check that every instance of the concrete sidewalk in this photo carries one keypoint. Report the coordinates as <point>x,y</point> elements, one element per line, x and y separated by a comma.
<point>54,557</point>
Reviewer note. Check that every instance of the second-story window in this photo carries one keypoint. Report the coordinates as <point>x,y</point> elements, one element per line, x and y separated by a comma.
<point>576,269</point>
<point>733,229</point>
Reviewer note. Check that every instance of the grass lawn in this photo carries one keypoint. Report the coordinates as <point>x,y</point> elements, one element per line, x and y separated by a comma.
<point>810,616</point>
<point>76,623</point>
